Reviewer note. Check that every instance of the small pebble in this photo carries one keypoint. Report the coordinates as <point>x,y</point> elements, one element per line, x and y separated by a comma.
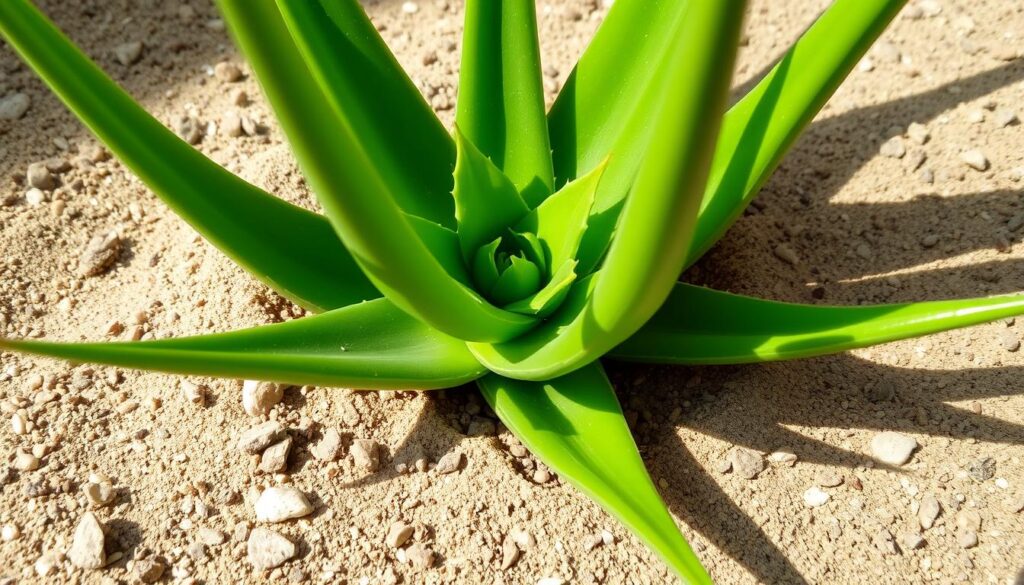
<point>928,511</point>
<point>259,397</point>
<point>420,556</point>
<point>746,463</point>
<point>918,133</point>
<point>892,448</point>
<point>329,447</point>
<point>366,454</point>
<point>449,463</point>
<point>149,570</point>
<point>194,393</point>
<point>129,53</point>
<point>10,533</point>
<point>786,254</point>
<point>893,148</point>
<point>99,255</point>
<point>14,106</point>
<point>275,457</point>
<point>975,159</point>
<point>1009,340</point>
<point>99,494</point>
<point>87,548</point>
<point>912,540</point>
<point>829,479</point>
<point>211,536</point>
<point>783,458</point>
<point>815,497</point>
<point>398,534</point>
<point>967,538</point>
<point>1004,117</point>
<point>509,552</point>
<point>227,72</point>
<point>25,461</point>
<point>280,503</point>
<point>983,469</point>
<point>259,437</point>
<point>268,549</point>
<point>40,177</point>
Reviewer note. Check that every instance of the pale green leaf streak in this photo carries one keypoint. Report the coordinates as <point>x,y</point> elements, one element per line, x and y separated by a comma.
<point>757,132</point>
<point>575,425</point>
<point>486,201</point>
<point>368,345</point>
<point>501,96</point>
<point>292,250</point>
<point>548,299</point>
<point>654,231</point>
<point>561,219</point>
<point>702,326</point>
<point>355,197</point>
<point>410,148</point>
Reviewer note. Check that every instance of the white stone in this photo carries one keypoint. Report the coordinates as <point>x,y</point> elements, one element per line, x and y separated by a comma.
<point>815,497</point>
<point>280,503</point>
<point>87,550</point>
<point>892,448</point>
<point>14,106</point>
<point>268,549</point>
<point>259,397</point>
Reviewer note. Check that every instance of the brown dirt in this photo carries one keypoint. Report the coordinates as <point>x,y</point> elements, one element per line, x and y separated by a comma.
<point>857,220</point>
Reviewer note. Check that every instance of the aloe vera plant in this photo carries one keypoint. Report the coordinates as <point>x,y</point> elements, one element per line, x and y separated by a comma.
<point>518,250</point>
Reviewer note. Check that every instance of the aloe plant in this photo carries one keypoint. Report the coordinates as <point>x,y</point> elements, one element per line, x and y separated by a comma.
<point>517,251</point>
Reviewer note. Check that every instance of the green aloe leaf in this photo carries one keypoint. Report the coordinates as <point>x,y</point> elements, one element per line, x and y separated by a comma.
<point>501,95</point>
<point>357,200</point>
<point>369,345</point>
<point>702,326</point>
<point>486,201</point>
<point>655,229</point>
<point>575,426</point>
<point>548,299</point>
<point>605,108</point>
<point>561,219</point>
<point>760,128</point>
<point>398,130</point>
<point>290,249</point>
<point>521,279</point>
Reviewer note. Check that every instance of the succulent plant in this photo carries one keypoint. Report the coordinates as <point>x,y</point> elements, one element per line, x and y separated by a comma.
<point>519,250</point>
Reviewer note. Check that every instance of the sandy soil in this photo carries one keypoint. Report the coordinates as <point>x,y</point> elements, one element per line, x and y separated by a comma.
<point>865,227</point>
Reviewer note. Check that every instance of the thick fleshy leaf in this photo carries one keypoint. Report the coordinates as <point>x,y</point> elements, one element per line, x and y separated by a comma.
<point>575,426</point>
<point>290,249</point>
<point>444,243</point>
<point>561,219</point>
<point>605,108</point>
<point>655,228</point>
<point>760,128</point>
<point>371,345</point>
<point>501,96</point>
<point>486,201</point>
<point>348,184</point>
<point>702,326</point>
<point>398,130</point>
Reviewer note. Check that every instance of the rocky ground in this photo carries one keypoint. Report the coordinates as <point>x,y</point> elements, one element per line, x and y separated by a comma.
<point>898,464</point>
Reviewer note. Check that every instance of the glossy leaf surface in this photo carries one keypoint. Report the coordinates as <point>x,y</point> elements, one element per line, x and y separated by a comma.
<point>501,96</point>
<point>758,131</point>
<point>702,326</point>
<point>575,426</point>
<point>410,149</point>
<point>369,345</point>
<point>357,200</point>
<point>290,249</point>
<point>654,231</point>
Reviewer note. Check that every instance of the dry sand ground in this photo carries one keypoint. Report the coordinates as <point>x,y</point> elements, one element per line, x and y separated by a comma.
<point>855,226</point>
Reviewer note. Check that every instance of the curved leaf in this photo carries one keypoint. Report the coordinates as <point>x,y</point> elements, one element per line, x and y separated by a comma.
<point>399,132</point>
<point>702,326</point>
<point>486,201</point>
<point>655,229</point>
<point>357,200</point>
<point>575,426</point>
<point>598,114</point>
<point>290,249</point>
<point>501,95</point>
<point>371,345</point>
<point>760,128</point>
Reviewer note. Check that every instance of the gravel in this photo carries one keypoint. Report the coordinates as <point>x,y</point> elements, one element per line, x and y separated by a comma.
<point>746,463</point>
<point>259,437</point>
<point>259,397</point>
<point>366,454</point>
<point>14,106</point>
<point>99,254</point>
<point>975,159</point>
